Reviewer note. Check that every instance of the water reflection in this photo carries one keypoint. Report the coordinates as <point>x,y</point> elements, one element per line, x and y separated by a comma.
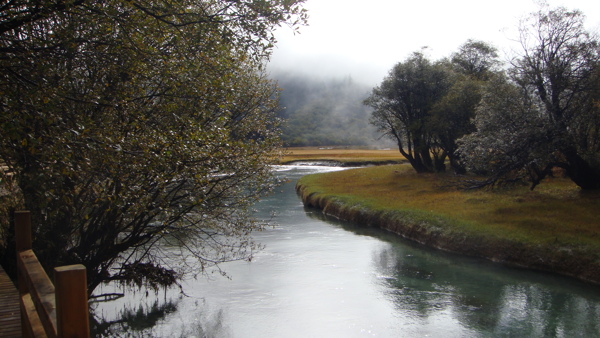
<point>145,317</point>
<point>480,297</point>
<point>321,277</point>
<point>134,321</point>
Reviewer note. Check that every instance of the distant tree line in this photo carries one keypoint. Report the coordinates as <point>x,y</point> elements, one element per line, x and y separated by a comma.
<point>324,112</point>
<point>509,123</point>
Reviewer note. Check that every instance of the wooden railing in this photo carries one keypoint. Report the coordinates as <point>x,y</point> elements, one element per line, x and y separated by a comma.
<point>49,310</point>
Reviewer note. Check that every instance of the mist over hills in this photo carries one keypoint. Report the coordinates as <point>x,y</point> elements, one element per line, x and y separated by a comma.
<point>324,111</point>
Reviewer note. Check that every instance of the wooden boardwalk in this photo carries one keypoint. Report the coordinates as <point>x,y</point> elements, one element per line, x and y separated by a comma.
<point>10,315</point>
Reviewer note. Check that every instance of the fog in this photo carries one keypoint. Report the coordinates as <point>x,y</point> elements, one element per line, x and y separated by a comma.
<point>365,39</point>
<point>330,67</point>
<point>325,111</point>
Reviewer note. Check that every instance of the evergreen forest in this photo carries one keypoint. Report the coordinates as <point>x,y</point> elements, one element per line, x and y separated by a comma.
<point>324,111</point>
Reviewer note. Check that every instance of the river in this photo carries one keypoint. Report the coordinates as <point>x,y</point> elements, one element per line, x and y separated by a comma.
<point>319,277</point>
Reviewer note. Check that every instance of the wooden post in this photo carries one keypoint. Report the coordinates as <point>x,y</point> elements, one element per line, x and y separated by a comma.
<point>59,310</point>
<point>23,242</point>
<point>23,230</point>
<point>72,315</point>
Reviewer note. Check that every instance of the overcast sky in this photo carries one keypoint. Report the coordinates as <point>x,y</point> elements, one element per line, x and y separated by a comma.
<point>364,39</point>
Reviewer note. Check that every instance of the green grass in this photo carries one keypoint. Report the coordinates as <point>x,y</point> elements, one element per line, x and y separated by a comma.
<point>556,214</point>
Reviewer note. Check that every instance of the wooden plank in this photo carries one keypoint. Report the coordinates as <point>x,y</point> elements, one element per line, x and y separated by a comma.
<point>35,328</point>
<point>40,288</point>
<point>10,315</point>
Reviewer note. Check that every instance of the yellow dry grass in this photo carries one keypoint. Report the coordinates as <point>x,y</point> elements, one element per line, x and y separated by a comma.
<point>341,154</point>
<point>556,211</point>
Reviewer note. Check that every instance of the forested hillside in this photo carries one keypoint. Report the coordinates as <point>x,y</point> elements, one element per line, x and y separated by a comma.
<point>324,112</point>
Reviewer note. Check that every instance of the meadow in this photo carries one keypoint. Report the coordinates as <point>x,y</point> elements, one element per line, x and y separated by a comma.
<point>554,227</point>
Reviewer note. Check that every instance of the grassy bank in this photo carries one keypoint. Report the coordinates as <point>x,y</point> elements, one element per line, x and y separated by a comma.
<point>342,155</point>
<point>554,228</point>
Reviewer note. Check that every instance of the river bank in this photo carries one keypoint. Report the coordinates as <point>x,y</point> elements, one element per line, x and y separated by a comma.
<point>318,277</point>
<point>554,229</point>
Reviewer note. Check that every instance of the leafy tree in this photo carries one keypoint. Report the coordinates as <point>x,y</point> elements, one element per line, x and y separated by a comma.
<point>511,138</point>
<point>403,107</point>
<point>426,107</point>
<point>471,67</point>
<point>556,110</point>
<point>452,117</point>
<point>476,59</point>
<point>136,123</point>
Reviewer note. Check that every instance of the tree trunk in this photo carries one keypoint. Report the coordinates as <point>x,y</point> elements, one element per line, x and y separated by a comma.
<point>414,159</point>
<point>457,165</point>
<point>581,172</point>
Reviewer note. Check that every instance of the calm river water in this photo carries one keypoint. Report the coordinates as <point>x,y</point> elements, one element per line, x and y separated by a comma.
<point>318,277</point>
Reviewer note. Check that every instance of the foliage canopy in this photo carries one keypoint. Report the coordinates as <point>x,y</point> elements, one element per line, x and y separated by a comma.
<point>426,106</point>
<point>132,123</point>
<point>540,114</point>
<point>403,105</point>
<point>552,101</point>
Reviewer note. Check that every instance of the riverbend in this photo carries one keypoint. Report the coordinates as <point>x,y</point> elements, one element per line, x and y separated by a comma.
<point>321,277</point>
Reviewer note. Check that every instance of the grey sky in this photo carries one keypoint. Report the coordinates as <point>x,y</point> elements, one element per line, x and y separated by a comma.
<point>364,39</point>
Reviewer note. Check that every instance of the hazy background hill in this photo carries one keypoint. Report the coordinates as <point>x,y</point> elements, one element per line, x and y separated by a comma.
<point>324,112</point>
